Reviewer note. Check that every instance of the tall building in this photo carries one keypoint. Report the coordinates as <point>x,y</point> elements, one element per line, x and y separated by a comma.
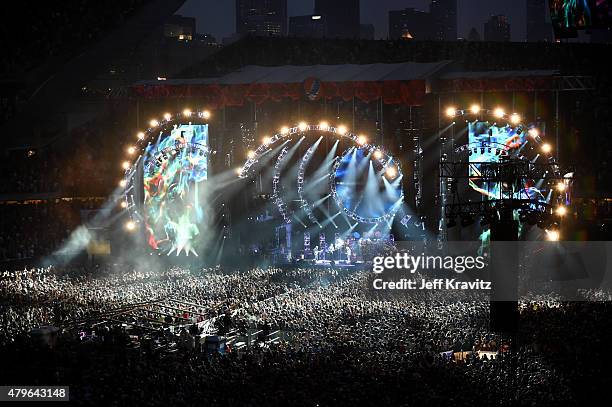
<point>342,17</point>
<point>310,26</point>
<point>366,31</point>
<point>444,15</point>
<point>497,29</point>
<point>537,27</point>
<point>261,17</point>
<point>411,24</point>
<point>473,35</point>
<point>207,39</point>
<point>180,28</point>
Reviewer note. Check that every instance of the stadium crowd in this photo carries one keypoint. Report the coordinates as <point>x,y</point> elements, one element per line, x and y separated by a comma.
<point>341,346</point>
<point>338,345</point>
<point>59,295</point>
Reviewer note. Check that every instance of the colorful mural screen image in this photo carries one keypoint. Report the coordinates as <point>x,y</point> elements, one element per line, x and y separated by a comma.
<point>174,168</point>
<point>489,144</point>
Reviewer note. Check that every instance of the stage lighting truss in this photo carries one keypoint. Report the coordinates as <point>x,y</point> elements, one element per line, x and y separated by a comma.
<point>304,204</point>
<point>497,114</point>
<point>494,148</point>
<point>516,167</point>
<point>384,161</point>
<point>287,132</point>
<point>136,150</point>
<point>278,201</point>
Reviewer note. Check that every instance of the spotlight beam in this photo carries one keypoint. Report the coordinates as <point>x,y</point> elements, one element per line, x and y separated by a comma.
<point>320,201</point>
<point>299,220</point>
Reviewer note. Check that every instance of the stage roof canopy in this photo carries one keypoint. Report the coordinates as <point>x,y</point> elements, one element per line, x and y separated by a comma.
<point>399,83</point>
<point>249,74</point>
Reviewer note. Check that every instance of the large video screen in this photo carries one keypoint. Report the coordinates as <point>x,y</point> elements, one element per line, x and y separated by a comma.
<point>571,14</point>
<point>173,169</point>
<point>568,16</point>
<point>489,144</point>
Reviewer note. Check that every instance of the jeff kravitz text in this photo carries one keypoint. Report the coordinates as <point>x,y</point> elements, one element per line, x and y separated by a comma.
<point>435,284</point>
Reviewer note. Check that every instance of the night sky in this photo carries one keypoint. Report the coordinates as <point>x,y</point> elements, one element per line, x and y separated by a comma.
<point>217,16</point>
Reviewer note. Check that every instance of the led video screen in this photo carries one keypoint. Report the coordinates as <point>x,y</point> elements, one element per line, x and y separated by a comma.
<point>488,144</point>
<point>174,168</point>
<point>571,14</point>
<point>568,16</point>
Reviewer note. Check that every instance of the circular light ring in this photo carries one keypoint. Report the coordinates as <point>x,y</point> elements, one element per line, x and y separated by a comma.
<point>275,187</point>
<point>384,161</point>
<point>264,148</point>
<point>514,120</point>
<point>304,204</point>
<point>144,139</point>
<point>288,132</point>
<point>496,113</point>
<point>177,118</point>
<point>503,150</point>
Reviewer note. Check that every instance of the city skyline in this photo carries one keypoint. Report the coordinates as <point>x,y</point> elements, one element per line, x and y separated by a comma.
<point>218,18</point>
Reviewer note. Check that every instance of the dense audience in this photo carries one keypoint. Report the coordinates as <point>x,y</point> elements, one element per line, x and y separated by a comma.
<point>339,345</point>
<point>320,338</point>
<point>77,291</point>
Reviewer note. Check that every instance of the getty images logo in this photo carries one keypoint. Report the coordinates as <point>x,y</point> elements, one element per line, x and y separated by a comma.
<point>410,263</point>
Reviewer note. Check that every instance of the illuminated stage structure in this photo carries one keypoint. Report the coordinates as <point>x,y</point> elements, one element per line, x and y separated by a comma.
<point>355,194</point>
<point>505,166</point>
<point>504,175</point>
<point>164,183</point>
<point>292,191</point>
